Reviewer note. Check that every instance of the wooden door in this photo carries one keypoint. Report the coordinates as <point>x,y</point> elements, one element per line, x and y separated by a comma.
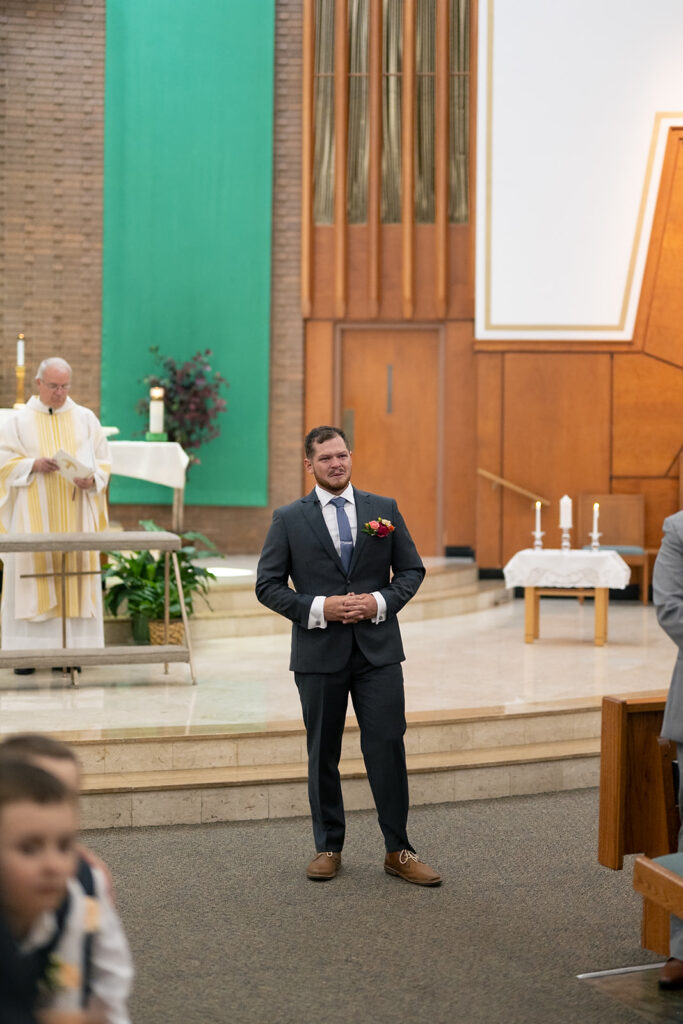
<point>391,406</point>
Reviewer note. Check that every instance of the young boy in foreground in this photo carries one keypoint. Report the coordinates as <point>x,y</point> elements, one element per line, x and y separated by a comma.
<point>90,950</point>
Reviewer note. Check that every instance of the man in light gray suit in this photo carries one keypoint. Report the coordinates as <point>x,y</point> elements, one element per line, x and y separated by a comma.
<point>667,592</point>
<point>354,566</point>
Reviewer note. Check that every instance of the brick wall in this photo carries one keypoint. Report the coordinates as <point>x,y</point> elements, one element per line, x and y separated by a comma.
<point>51,104</point>
<point>51,135</point>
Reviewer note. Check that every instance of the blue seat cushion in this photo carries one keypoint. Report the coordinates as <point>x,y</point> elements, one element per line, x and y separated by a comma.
<point>622,549</point>
<point>672,862</point>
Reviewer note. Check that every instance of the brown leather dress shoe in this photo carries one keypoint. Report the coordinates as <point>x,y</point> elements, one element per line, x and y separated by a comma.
<point>407,865</point>
<point>671,974</point>
<point>324,866</point>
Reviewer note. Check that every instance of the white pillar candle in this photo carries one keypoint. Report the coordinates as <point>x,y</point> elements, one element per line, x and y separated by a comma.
<point>20,350</point>
<point>565,512</point>
<point>596,513</point>
<point>156,410</point>
<point>538,517</point>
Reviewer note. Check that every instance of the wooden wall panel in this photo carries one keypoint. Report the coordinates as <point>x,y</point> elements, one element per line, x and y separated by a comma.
<point>556,437</point>
<point>322,299</point>
<point>318,381</point>
<point>460,272</point>
<point>663,335</point>
<point>460,458</point>
<point>489,456</point>
<point>391,380</point>
<point>319,370</point>
<point>661,500</point>
<point>648,399</point>
<point>359,302</point>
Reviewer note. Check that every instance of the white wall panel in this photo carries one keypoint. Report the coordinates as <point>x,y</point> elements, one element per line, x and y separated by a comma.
<point>574,103</point>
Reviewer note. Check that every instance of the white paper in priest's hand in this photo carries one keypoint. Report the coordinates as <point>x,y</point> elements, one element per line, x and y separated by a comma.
<point>72,468</point>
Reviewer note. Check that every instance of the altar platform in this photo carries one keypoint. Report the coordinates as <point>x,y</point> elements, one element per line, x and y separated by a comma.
<point>487,714</point>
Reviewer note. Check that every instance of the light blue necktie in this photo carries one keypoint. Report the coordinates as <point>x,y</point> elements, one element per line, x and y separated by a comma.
<point>345,535</point>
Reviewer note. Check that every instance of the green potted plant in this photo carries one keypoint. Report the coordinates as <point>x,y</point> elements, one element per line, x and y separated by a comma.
<point>137,577</point>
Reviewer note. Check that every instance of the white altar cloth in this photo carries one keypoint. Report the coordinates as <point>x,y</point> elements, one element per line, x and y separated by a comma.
<point>5,415</point>
<point>159,462</point>
<point>551,567</point>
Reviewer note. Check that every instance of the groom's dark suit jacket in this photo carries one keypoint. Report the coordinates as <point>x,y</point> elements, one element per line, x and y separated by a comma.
<point>299,546</point>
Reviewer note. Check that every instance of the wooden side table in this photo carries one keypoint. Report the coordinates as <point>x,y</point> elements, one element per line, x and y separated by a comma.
<point>532,609</point>
<point>572,573</point>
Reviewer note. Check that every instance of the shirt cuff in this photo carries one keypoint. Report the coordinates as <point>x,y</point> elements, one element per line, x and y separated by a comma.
<point>316,615</point>
<point>381,607</point>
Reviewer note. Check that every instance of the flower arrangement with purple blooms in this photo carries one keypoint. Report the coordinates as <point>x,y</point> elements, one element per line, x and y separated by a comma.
<point>192,400</point>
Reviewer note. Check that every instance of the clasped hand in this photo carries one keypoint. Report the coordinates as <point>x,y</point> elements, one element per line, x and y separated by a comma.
<point>349,608</point>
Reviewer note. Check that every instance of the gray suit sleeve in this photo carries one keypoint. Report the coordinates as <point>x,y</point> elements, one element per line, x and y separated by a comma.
<point>272,576</point>
<point>667,580</point>
<point>407,568</point>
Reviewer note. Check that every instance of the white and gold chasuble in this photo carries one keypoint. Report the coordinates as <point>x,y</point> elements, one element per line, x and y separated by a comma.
<point>48,503</point>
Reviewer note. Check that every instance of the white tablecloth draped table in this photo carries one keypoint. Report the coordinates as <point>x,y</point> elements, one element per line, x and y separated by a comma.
<point>5,415</point>
<point>551,567</point>
<point>565,571</point>
<point>159,462</point>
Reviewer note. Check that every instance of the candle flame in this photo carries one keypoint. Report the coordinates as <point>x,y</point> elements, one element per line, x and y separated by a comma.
<point>538,504</point>
<point>596,506</point>
<point>156,393</point>
<point>20,337</point>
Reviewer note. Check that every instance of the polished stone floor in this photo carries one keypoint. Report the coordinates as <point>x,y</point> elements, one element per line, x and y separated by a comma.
<point>638,991</point>
<point>478,660</point>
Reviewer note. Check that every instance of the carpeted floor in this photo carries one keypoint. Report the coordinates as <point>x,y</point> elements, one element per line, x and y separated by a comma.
<point>226,929</point>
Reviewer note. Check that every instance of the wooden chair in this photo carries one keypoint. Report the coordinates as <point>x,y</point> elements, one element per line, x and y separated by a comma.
<point>622,525</point>
<point>637,795</point>
<point>660,879</point>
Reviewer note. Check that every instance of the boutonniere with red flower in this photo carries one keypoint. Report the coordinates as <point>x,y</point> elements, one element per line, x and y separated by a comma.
<point>379,527</point>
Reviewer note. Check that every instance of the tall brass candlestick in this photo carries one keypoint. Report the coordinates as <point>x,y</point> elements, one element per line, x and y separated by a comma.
<point>20,403</point>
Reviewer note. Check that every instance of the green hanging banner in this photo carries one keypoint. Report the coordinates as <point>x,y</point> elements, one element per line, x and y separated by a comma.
<point>187,223</point>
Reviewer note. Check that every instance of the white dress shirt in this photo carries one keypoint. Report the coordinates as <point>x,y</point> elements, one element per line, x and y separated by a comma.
<point>111,964</point>
<point>316,616</point>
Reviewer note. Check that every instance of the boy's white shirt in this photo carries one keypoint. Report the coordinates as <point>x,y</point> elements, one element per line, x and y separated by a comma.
<point>111,966</point>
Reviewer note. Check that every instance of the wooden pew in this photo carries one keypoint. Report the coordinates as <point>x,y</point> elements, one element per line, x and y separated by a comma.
<point>633,803</point>
<point>660,881</point>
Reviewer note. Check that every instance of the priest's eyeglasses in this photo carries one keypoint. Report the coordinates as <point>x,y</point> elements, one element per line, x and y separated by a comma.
<point>55,387</point>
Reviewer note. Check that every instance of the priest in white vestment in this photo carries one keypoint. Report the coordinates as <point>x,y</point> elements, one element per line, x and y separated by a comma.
<point>36,498</point>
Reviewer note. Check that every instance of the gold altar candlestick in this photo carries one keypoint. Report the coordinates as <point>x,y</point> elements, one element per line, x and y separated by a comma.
<point>20,403</point>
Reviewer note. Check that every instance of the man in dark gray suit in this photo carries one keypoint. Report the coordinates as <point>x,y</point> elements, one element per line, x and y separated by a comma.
<point>667,593</point>
<point>354,566</point>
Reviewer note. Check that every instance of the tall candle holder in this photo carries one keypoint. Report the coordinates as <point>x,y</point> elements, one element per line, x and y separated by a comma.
<point>21,375</point>
<point>156,430</point>
<point>20,371</point>
<point>595,540</point>
<point>566,543</point>
<point>537,532</point>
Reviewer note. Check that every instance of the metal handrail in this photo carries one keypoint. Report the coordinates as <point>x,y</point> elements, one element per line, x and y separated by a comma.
<point>513,487</point>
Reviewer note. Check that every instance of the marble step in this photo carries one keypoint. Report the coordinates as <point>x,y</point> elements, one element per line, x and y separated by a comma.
<point>138,779</point>
<point>251,619</point>
<point>199,795</point>
<point>234,595</point>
